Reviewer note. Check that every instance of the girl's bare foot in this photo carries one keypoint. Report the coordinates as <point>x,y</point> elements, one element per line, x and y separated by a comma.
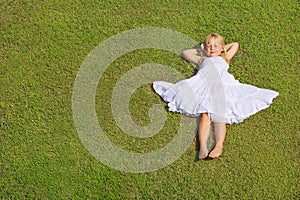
<point>203,153</point>
<point>216,152</point>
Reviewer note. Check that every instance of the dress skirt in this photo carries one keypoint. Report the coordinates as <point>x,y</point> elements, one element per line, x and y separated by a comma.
<point>215,91</point>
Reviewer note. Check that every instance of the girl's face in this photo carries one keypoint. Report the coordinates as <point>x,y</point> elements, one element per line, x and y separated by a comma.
<point>213,48</point>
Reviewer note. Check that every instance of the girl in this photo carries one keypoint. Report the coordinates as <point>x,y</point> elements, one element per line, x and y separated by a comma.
<point>213,94</point>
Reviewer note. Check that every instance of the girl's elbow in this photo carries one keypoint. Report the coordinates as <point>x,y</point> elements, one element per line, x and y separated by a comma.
<point>236,44</point>
<point>185,54</point>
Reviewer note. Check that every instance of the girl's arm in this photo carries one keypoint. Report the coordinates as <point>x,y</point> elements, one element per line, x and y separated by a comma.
<point>231,49</point>
<point>192,55</point>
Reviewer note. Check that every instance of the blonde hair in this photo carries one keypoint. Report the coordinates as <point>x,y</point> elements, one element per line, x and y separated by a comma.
<point>220,39</point>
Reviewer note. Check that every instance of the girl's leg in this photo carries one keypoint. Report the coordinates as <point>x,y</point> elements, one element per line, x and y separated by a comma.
<point>220,134</point>
<point>203,134</point>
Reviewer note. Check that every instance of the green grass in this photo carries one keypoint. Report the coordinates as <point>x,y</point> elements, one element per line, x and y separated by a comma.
<point>43,44</point>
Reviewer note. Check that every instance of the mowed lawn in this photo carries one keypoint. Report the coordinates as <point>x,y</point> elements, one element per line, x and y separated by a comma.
<point>43,45</point>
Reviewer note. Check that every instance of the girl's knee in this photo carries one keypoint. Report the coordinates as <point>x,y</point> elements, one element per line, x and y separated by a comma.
<point>204,116</point>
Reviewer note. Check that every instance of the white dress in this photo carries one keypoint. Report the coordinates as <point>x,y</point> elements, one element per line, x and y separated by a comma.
<point>215,91</point>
